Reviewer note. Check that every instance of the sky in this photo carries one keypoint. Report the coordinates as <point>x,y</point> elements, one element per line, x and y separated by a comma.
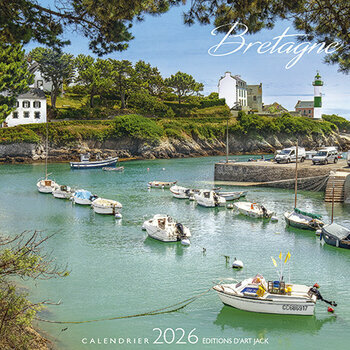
<point>165,42</point>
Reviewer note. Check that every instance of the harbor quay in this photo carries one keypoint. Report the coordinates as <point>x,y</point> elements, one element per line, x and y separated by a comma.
<point>263,173</point>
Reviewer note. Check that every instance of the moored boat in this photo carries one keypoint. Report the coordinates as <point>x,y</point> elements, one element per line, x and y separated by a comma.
<point>230,196</point>
<point>46,185</point>
<point>209,199</point>
<point>182,192</point>
<point>83,197</point>
<point>336,235</point>
<point>272,297</point>
<point>253,210</point>
<point>62,192</point>
<point>85,162</point>
<point>105,206</point>
<point>161,184</point>
<point>166,229</point>
<point>303,220</point>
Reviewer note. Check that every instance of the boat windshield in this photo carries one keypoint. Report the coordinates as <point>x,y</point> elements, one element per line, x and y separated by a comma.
<point>285,152</point>
<point>321,153</point>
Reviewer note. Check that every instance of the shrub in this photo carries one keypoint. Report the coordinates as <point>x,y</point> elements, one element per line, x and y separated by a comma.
<point>149,105</point>
<point>18,134</point>
<point>215,112</point>
<point>342,123</point>
<point>137,126</point>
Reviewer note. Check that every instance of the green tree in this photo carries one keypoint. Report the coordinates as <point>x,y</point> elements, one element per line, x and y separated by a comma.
<point>150,78</point>
<point>14,77</point>
<point>183,85</point>
<point>107,23</point>
<point>56,67</point>
<point>322,20</point>
<point>94,75</point>
<point>124,79</point>
<point>21,257</point>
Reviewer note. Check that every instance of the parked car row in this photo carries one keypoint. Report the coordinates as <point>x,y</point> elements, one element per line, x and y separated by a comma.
<point>326,155</point>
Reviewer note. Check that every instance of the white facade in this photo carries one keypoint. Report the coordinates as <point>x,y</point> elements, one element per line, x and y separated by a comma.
<point>39,80</point>
<point>233,89</point>
<point>31,108</point>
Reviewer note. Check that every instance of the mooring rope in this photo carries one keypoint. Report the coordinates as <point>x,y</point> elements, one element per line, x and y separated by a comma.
<point>163,310</point>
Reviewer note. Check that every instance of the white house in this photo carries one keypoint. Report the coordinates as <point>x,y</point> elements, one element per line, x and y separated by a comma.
<point>31,108</point>
<point>39,80</point>
<point>233,89</point>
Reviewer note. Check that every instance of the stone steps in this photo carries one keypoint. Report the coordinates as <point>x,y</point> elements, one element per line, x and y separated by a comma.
<point>337,181</point>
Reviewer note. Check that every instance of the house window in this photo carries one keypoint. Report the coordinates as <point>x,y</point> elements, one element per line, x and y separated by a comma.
<point>39,84</point>
<point>254,98</point>
<point>37,104</point>
<point>26,114</point>
<point>17,104</point>
<point>37,115</point>
<point>26,104</point>
<point>309,111</point>
<point>15,115</point>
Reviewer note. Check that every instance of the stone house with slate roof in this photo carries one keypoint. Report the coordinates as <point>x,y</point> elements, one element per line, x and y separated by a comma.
<point>305,108</point>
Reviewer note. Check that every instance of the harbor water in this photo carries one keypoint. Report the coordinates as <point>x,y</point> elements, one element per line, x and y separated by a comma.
<point>115,270</point>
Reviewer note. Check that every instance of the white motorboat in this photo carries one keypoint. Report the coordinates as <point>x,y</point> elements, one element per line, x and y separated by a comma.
<point>166,229</point>
<point>105,206</point>
<point>230,196</point>
<point>161,184</point>
<point>209,199</point>
<point>83,197</point>
<point>47,186</point>
<point>182,192</point>
<point>63,192</point>
<point>303,220</point>
<point>253,210</point>
<point>85,162</point>
<point>273,297</point>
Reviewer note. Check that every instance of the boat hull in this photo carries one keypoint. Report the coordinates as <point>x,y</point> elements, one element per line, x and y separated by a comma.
<point>62,195</point>
<point>95,164</point>
<point>269,307</point>
<point>298,224</point>
<point>253,213</point>
<point>42,188</point>
<point>333,240</point>
<point>81,201</point>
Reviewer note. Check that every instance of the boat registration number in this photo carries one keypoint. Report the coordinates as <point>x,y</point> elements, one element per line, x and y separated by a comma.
<point>291,307</point>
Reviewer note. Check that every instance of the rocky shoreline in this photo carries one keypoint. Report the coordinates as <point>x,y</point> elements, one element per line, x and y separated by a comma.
<point>128,148</point>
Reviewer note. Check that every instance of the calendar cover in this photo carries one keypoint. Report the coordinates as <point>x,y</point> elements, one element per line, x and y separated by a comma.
<point>174,174</point>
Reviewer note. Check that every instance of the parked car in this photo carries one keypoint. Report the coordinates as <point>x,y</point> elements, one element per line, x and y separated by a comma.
<point>288,155</point>
<point>326,155</point>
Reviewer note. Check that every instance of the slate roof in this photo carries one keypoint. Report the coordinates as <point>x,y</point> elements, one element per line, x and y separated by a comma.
<point>33,93</point>
<point>305,104</point>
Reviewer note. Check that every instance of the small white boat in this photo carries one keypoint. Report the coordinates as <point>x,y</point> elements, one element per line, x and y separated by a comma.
<point>85,162</point>
<point>273,297</point>
<point>63,192</point>
<point>209,199</point>
<point>230,196</point>
<point>83,197</point>
<point>105,206</point>
<point>46,185</point>
<point>110,168</point>
<point>166,229</point>
<point>237,264</point>
<point>182,192</point>
<point>303,220</point>
<point>253,210</point>
<point>161,184</point>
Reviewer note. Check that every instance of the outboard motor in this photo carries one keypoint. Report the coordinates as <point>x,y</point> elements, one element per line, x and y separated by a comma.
<point>265,215</point>
<point>216,200</point>
<point>180,230</point>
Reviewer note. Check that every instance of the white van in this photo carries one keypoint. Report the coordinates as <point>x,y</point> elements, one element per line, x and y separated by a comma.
<point>288,155</point>
<point>326,155</point>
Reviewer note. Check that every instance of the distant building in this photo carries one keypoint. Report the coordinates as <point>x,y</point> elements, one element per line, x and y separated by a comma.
<point>312,109</point>
<point>31,108</point>
<point>305,108</point>
<point>254,99</point>
<point>39,80</point>
<point>234,90</point>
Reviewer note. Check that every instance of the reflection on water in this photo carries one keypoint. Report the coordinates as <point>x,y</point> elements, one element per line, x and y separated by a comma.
<point>262,324</point>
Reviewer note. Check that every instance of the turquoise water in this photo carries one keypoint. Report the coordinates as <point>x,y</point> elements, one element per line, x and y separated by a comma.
<point>116,270</point>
